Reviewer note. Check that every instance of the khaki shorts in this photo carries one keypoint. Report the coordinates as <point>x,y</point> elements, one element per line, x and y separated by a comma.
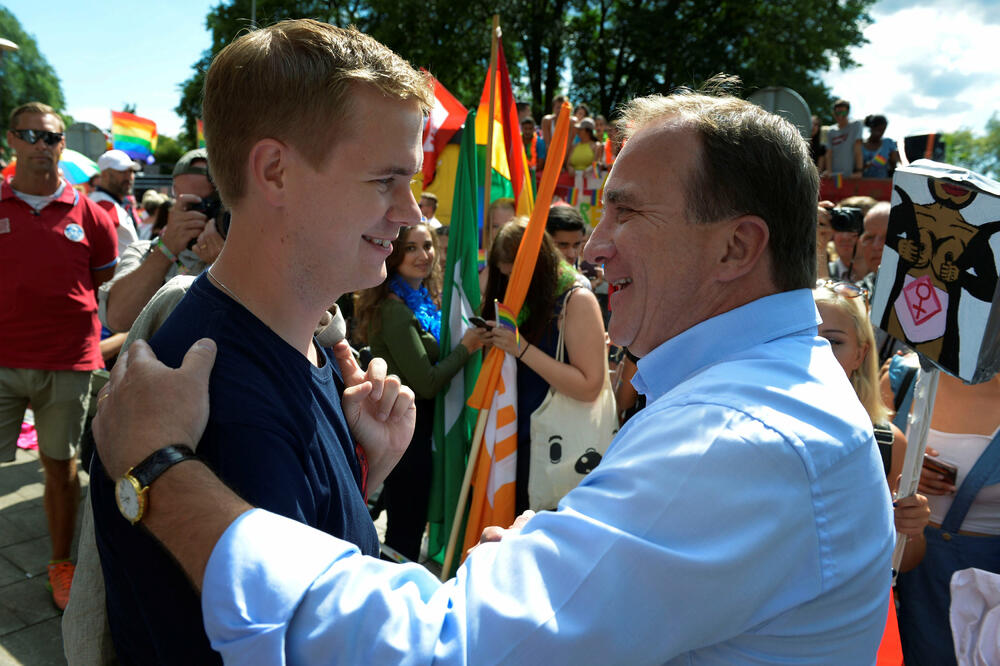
<point>59,399</point>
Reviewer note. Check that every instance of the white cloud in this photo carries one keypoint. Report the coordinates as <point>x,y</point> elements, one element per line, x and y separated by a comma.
<point>928,66</point>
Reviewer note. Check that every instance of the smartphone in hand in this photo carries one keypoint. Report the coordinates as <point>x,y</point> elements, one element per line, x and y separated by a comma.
<point>480,322</point>
<point>949,471</point>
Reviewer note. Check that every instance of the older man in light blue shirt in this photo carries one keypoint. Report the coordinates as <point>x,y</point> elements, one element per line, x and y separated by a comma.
<point>740,518</point>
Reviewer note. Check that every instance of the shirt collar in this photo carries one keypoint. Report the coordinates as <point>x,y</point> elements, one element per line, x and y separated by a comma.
<point>113,197</point>
<point>723,336</point>
<point>69,194</point>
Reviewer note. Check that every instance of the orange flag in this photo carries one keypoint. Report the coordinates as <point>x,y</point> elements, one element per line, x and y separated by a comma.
<point>493,480</point>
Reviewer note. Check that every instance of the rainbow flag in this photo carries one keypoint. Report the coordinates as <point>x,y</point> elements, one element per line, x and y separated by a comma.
<point>201,133</point>
<point>134,135</point>
<point>839,179</point>
<point>507,318</point>
<point>511,176</point>
<point>880,159</point>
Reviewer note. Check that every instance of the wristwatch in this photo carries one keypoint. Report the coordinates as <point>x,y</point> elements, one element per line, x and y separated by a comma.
<point>130,490</point>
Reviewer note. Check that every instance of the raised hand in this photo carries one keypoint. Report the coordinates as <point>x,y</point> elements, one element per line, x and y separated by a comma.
<point>379,410</point>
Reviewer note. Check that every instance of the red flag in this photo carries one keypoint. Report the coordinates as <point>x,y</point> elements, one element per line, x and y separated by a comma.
<point>446,118</point>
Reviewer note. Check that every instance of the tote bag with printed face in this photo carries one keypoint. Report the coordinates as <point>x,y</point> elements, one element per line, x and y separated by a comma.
<point>568,437</point>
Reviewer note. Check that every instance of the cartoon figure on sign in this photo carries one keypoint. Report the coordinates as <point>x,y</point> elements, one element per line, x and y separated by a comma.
<point>941,257</point>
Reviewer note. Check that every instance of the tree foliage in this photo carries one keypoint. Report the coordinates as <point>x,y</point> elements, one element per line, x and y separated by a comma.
<point>168,151</point>
<point>25,74</point>
<point>609,50</point>
<point>980,153</point>
<point>623,48</point>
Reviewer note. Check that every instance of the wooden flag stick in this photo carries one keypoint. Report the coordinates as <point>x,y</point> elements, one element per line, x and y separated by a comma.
<point>463,496</point>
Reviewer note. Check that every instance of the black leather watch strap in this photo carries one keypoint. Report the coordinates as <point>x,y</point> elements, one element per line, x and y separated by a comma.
<point>159,462</point>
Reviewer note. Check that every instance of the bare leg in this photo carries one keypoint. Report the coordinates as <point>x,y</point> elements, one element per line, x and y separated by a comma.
<point>62,498</point>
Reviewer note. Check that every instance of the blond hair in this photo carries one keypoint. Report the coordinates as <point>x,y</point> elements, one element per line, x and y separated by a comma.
<point>865,378</point>
<point>752,162</point>
<point>292,82</point>
<point>34,107</point>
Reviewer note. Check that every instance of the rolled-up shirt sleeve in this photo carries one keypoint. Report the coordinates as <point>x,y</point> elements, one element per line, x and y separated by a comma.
<point>639,565</point>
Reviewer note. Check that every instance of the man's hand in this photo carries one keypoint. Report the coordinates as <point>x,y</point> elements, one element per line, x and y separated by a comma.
<point>493,533</point>
<point>145,405</point>
<point>209,244</point>
<point>183,225</point>
<point>379,411</point>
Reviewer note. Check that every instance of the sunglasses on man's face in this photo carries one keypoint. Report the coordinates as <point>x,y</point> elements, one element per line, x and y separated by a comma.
<point>33,136</point>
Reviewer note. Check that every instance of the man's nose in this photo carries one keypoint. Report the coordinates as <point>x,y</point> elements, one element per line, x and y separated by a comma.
<point>599,248</point>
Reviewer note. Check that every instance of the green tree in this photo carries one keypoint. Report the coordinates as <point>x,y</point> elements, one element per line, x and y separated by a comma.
<point>623,48</point>
<point>25,74</point>
<point>615,48</point>
<point>980,153</point>
<point>168,151</point>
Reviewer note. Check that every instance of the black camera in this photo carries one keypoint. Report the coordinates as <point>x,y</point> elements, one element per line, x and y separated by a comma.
<point>209,206</point>
<point>847,219</point>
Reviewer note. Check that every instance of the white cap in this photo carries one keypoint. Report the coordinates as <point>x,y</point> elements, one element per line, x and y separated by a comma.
<point>117,160</point>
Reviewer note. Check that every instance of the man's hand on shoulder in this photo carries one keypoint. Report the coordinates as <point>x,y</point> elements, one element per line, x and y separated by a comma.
<point>146,405</point>
<point>379,411</point>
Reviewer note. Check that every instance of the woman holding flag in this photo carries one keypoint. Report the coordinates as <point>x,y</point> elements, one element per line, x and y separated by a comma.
<point>581,375</point>
<point>400,320</point>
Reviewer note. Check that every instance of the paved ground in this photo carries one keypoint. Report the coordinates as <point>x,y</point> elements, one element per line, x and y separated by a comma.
<point>29,623</point>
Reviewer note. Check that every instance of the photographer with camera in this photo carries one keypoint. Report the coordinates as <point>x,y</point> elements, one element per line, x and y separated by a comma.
<point>847,223</point>
<point>192,239</point>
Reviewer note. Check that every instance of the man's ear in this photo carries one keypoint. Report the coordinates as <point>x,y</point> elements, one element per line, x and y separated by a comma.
<point>268,161</point>
<point>745,239</point>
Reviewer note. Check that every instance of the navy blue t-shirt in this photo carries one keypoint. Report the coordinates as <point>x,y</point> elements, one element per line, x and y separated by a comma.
<point>276,435</point>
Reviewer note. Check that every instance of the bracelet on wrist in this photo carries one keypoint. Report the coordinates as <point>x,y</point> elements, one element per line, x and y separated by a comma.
<point>524,351</point>
<point>159,244</point>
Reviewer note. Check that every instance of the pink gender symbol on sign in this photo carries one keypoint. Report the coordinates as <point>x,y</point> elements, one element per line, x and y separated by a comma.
<point>921,299</point>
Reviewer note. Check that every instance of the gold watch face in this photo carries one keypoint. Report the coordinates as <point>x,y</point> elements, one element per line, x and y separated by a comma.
<point>130,498</point>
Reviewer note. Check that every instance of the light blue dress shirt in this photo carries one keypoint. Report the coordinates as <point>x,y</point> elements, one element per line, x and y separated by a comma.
<point>741,518</point>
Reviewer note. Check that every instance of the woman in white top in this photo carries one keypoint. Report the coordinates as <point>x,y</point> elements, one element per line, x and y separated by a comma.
<point>964,529</point>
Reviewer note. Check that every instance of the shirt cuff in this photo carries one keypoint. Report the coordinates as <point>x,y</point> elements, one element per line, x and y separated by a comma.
<point>256,577</point>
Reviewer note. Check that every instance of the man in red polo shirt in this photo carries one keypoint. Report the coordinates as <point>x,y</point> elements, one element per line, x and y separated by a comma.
<point>56,248</point>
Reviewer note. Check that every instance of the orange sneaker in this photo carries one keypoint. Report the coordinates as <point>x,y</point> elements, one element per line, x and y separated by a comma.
<point>60,580</point>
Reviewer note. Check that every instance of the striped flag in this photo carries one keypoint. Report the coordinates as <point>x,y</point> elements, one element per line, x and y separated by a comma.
<point>454,421</point>
<point>880,159</point>
<point>201,133</point>
<point>134,135</point>
<point>511,176</point>
<point>493,502</point>
<point>493,479</point>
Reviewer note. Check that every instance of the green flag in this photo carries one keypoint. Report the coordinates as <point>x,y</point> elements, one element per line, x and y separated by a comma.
<point>454,421</point>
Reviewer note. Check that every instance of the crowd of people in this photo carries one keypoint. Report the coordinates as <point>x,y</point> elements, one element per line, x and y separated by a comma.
<point>745,505</point>
<point>841,149</point>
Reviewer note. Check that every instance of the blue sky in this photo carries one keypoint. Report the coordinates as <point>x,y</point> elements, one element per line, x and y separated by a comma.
<point>927,66</point>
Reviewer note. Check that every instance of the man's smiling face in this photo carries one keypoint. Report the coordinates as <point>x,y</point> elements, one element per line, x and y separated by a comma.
<point>651,253</point>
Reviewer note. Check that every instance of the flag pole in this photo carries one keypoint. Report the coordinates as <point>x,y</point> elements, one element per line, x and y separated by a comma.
<point>463,497</point>
<point>545,191</point>
<point>487,183</point>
